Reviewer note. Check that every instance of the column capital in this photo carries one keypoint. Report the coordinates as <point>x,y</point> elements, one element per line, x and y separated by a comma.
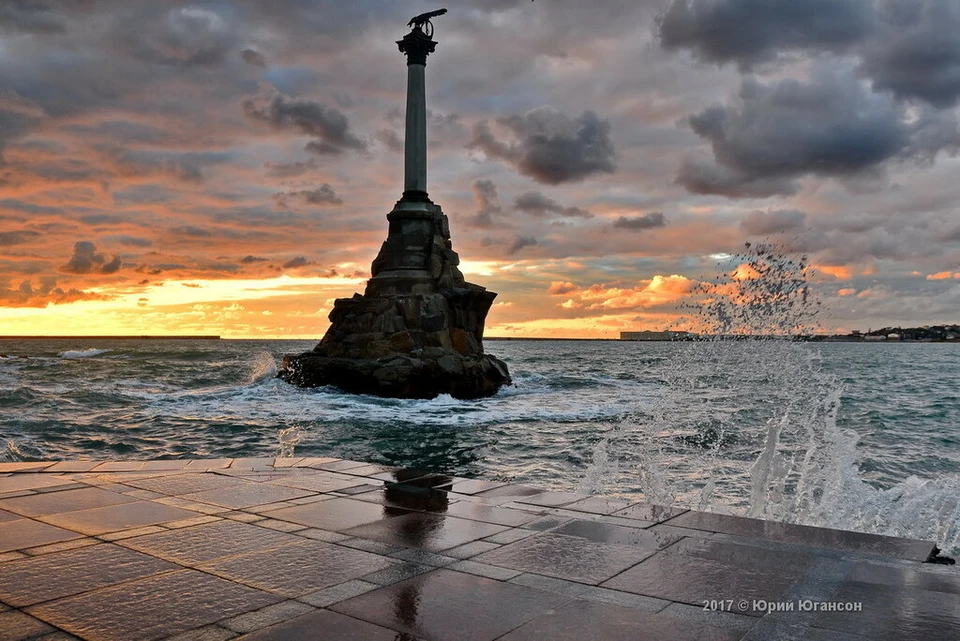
<point>417,46</point>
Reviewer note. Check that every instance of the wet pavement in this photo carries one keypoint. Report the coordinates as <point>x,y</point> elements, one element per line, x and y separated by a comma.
<point>308,548</point>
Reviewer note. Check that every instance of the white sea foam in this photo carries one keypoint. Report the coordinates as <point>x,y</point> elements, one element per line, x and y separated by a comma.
<point>82,353</point>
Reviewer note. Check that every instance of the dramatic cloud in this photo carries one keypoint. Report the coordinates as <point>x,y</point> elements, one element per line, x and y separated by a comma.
<point>17,115</point>
<point>648,221</point>
<point>916,53</point>
<point>249,260</point>
<point>329,127</point>
<point>519,243</point>
<point>299,261</point>
<point>536,204</point>
<point>86,260</point>
<point>562,288</point>
<point>751,31</point>
<point>290,169</point>
<point>772,134</point>
<point>188,36</point>
<point>910,48</point>
<point>550,147</point>
<point>8,238</point>
<point>323,195</point>
<point>761,223</point>
<point>29,16</point>
<point>488,204</point>
<point>253,57</point>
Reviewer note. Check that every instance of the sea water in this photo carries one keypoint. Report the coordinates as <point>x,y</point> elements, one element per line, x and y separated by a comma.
<point>851,435</point>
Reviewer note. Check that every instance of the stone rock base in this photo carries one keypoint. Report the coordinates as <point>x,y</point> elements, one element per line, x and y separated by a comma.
<point>400,376</point>
<point>417,331</point>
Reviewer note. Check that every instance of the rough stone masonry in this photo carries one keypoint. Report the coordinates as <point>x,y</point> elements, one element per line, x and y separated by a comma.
<point>417,331</point>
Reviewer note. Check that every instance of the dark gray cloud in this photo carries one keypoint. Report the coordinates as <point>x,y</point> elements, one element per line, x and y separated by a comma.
<point>130,241</point>
<point>192,231</point>
<point>519,243</point>
<point>29,16</point>
<point>488,204</point>
<point>323,195</point>
<point>706,177</point>
<point>328,125</point>
<point>249,260</point>
<point>751,31</point>
<point>298,261</point>
<point>647,221</point>
<point>772,134</point>
<point>916,53</point>
<point>290,169</point>
<point>180,36</point>
<point>86,260</point>
<point>550,147</point>
<point>536,204</point>
<point>19,237</point>
<point>17,116</point>
<point>390,139</point>
<point>253,57</point>
<point>762,223</point>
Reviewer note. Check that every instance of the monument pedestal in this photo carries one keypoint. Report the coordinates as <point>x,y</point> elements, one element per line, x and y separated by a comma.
<point>417,331</point>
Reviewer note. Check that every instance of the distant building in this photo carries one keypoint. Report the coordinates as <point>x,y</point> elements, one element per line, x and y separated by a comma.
<point>647,335</point>
<point>874,337</point>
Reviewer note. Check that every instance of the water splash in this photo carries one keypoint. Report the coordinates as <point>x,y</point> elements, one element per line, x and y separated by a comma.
<point>747,421</point>
<point>263,366</point>
<point>82,353</point>
<point>289,439</point>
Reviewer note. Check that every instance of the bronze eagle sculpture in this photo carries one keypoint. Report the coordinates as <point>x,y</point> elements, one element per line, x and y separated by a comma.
<point>417,22</point>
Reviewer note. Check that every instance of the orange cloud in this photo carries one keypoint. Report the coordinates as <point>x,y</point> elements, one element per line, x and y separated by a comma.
<point>840,272</point>
<point>847,291</point>
<point>561,288</point>
<point>943,275</point>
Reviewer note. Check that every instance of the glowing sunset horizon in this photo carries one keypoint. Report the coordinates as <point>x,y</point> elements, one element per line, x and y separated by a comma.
<point>226,169</point>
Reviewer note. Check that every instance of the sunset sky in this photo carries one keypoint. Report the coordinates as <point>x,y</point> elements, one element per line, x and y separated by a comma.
<point>226,167</point>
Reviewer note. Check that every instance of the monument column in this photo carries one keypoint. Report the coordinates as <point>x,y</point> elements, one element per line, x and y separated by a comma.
<point>417,330</point>
<point>417,46</point>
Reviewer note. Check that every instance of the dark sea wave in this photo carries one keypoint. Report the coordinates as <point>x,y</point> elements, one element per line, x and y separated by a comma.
<point>771,429</point>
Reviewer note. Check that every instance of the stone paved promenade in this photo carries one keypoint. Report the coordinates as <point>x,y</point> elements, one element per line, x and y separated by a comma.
<point>322,548</point>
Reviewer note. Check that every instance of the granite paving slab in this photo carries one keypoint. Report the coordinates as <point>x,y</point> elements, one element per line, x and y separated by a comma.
<point>893,614</point>
<point>408,554</point>
<point>583,620</point>
<point>806,535</point>
<point>698,580</point>
<point>567,557</point>
<point>152,608</point>
<point>63,501</point>
<point>211,541</point>
<point>432,532</point>
<point>52,576</point>
<point>299,568</point>
<point>175,484</point>
<point>23,533</point>
<point>490,514</point>
<point>607,533</point>
<point>246,495</point>
<point>335,515</point>
<point>331,625</point>
<point>443,604</point>
<point>22,481</point>
<point>117,517</point>
<point>19,626</point>
<point>317,482</point>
